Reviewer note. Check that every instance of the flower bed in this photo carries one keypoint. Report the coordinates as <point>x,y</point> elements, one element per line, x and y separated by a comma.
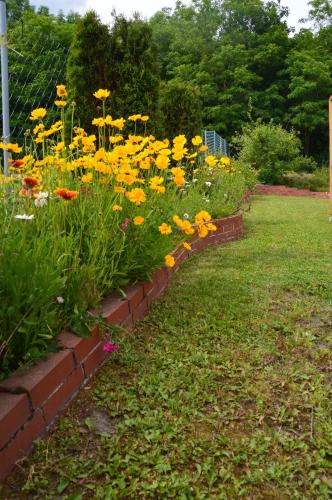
<point>30,401</point>
<point>82,214</point>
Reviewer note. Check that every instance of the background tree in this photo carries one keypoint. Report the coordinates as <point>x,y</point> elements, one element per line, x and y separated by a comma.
<point>181,109</point>
<point>89,65</point>
<point>134,69</point>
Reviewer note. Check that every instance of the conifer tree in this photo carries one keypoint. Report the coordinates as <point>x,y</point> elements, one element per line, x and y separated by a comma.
<point>88,66</point>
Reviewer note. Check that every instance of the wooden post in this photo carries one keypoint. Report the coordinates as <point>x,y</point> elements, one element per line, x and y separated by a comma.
<point>330,128</point>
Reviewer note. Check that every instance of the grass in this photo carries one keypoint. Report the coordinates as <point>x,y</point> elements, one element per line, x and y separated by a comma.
<point>225,389</point>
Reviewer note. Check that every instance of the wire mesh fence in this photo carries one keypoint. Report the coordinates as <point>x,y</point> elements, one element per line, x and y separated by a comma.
<point>36,64</point>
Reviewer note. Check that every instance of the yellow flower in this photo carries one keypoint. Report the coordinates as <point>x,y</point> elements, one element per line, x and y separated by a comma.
<point>108,120</point>
<point>102,94</point>
<point>186,246</point>
<point>162,162</point>
<point>14,148</point>
<point>202,216</point>
<point>169,261</point>
<point>87,178</point>
<point>59,147</point>
<point>211,160</point>
<point>119,123</point>
<point>145,118</point>
<point>138,220</point>
<point>197,140</point>
<point>211,227</point>
<point>203,148</point>
<point>38,114</point>
<point>134,118</point>
<point>224,160</point>
<point>136,196</point>
<point>38,128</point>
<point>116,138</point>
<point>117,208</point>
<point>119,189</point>
<point>99,122</point>
<point>165,228</point>
<point>203,231</point>
<point>61,91</point>
<point>60,104</point>
<point>179,180</point>
<point>179,141</point>
<point>155,184</point>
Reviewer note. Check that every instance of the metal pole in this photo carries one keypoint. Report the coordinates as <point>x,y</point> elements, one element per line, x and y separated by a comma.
<point>330,129</point>
<point>4,82</point>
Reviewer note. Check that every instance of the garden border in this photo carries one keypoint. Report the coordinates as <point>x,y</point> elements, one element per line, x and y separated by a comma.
<point>32,400</point>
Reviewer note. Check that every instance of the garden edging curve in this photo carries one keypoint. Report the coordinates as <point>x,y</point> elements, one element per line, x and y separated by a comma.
<point>31,401</point>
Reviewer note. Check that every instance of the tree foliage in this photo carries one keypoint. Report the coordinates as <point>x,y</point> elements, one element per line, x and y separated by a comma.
<point>244,59</point>
<point>89,65</point>
<point>181,109</point>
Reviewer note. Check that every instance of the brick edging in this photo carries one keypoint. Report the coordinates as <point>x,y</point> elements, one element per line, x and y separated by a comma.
<point>288,191</point>
<point>31,401</point>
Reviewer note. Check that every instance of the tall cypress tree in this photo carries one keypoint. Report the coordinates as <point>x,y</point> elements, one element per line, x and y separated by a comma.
<point>134,68</point>
<point>88,66</point>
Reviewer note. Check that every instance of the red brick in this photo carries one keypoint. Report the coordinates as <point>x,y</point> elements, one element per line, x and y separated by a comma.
<point>63,394</point>
<point>80,346</point>
<point>128,323</point>
<point>161,277</point>
<point>94,360</point>
<point>43,378</point>
<point>21,444</point>
<point>135,294</point>
<point>153,295</point>
<point>114,309</point>
<point>14,412</point>
<point>148,286</point>
<point>141,310</point>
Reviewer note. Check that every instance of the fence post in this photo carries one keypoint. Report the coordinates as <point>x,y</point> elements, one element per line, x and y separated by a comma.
<point>4,82</point>
<point>330,135</point>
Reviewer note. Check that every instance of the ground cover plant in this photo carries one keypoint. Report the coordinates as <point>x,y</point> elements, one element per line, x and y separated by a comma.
<point>82,214</point>
<point>227,395</point>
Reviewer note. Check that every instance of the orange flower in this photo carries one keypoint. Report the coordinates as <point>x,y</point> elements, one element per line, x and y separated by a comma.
<point>66,194</point>
<point>138,220</point>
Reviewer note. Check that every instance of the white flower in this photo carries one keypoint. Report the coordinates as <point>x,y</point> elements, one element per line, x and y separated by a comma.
<point>60,300</point>
<point>41,198</point>
<point>186,216</point>
<point>207,200</point>
<point>24,217</point>
<point>208,183</point>
<point>195,180</point>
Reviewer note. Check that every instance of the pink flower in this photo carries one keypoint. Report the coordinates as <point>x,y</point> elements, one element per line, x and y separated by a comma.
<point>125,224</point>
<point>110,347</point>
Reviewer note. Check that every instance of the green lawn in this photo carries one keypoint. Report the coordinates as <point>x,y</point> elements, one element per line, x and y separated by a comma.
<point>224,391</point>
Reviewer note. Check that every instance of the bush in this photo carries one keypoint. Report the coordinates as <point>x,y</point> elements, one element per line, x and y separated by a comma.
<point>269,149</point>
<point>80,219</point>
<point>318,180</point>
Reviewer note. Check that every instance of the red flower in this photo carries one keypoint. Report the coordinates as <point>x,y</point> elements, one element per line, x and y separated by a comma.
<point>30,182</point>
<point>17,163</point>
<point>66,194</point>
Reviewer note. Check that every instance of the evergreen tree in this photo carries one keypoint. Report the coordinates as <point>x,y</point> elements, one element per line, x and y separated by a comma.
<point>134,70</point>
<point>181,109</point>
<point>88,67</point>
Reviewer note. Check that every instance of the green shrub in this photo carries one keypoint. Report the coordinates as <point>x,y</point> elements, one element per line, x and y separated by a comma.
<point>318,180</point>
<point>269,149</point>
